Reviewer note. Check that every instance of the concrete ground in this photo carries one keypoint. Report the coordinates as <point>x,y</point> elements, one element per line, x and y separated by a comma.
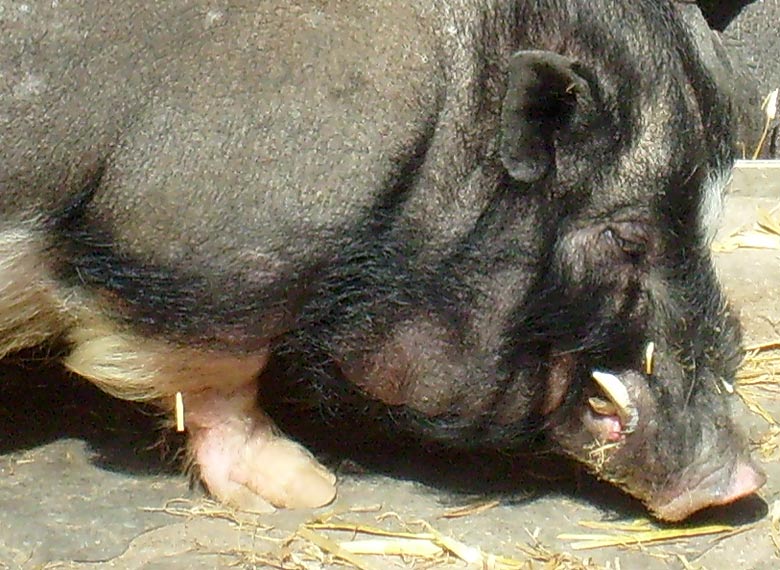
<point>85,484</point>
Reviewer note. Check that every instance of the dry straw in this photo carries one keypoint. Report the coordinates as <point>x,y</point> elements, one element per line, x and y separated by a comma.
<point>770,112</point>
<point>757,385</point>
<point>763,234</point>
<point>637,533</point>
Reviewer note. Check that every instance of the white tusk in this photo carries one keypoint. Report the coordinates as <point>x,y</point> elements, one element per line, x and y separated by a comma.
<point>649,351</point>
<point>179,412</point>
<point>728,386</point>
<point>618,393</point>
<point>614,388</point>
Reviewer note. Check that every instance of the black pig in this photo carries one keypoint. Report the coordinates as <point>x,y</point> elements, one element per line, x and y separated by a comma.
<point>732,75</point>
<point>479,212</point>
<point>743,59</point>
<point>753,42</point>
<point>719,13</point>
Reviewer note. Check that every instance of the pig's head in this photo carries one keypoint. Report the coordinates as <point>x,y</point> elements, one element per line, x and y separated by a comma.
<point>641,345</point>
<point>576,238</point>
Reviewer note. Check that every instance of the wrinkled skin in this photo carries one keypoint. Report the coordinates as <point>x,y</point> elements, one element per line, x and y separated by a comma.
<point>461,208</point>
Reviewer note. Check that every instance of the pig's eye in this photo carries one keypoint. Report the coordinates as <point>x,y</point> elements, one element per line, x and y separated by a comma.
<point>629,240</point>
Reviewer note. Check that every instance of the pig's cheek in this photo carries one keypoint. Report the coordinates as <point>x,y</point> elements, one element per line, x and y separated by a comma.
<point>243,459</point>
<point>414,367</point>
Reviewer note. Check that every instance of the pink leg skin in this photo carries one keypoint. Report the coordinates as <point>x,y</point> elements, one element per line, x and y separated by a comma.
<point>244,461</point>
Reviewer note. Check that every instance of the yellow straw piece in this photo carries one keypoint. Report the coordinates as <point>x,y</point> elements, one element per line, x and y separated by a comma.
<point>628,537</point>
<point>333,548</point>
<point>393,547</point>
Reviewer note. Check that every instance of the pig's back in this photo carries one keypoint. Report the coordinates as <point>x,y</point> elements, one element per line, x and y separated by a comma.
<point>188,124</point>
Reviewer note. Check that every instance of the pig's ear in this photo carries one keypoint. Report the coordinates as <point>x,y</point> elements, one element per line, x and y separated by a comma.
<point>542,95</point>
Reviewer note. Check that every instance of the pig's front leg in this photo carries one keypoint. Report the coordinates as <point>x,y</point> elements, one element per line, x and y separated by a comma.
<point>244,460</point>
<point>241,456</point>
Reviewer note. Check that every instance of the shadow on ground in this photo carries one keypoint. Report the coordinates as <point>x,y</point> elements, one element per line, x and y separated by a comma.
<point>358,436</point>
<point>40,402</point>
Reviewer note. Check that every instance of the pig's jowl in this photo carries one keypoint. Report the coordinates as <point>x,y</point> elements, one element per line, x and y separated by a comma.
<point>479,212</point>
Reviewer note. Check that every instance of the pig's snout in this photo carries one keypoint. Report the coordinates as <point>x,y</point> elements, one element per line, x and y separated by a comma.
<point>675,462</point>
<point>722,487</point>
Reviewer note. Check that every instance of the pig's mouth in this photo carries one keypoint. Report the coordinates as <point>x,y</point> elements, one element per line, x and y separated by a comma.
<point>613,418</point>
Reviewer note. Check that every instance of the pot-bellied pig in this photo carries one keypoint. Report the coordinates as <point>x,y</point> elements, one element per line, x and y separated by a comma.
<point>744,61</point>
<point>492,216</point>
<point>752,41</point>
<point>729,69</point>
<point>719,13</point>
